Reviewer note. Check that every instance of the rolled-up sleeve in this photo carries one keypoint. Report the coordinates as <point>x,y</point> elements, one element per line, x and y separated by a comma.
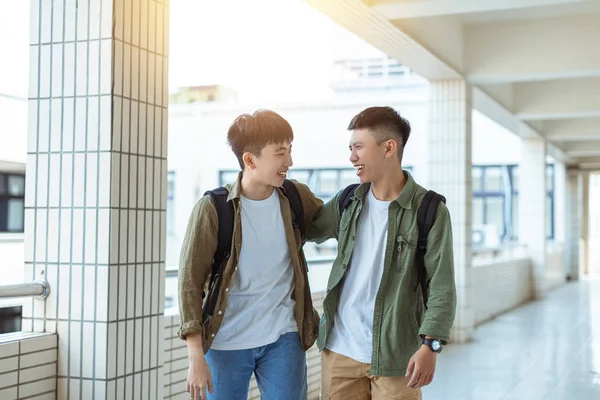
<point>439,262</point>
<point>195,264</point>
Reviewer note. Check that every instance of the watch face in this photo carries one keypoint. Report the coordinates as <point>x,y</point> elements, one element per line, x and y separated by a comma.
<point>435,344</point>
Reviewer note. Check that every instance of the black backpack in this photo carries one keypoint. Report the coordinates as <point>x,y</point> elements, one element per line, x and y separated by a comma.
<point>425,219</point>
<point>224,238</point>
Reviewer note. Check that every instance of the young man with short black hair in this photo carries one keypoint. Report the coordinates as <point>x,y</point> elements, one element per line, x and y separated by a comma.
<point>378,337</point>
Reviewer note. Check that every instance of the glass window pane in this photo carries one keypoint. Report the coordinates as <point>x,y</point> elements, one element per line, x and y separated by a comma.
<point>228,177</point>
<point>477,211</point>
<point>476,178</point>
<point>348,177</point>
<point>493,181</point>
<point>494,214</point>
<point>549,217</point>
<point>301,175</point>
<point>515,215</point>
<point>16,185</point>
<point>515,179</point>
<point>16,215</point>
<point>550,177</point>
<point>3,189</point>
<point>328,184</point>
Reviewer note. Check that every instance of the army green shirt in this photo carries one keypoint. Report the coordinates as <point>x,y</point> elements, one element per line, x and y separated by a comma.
<point>399,319</point>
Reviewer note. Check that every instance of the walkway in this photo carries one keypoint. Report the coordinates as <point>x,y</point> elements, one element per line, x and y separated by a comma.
<point>545,350</point>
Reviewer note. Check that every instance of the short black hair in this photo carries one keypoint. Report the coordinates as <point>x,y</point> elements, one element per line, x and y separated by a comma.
<point>252,132</point>
<point>385,123</point>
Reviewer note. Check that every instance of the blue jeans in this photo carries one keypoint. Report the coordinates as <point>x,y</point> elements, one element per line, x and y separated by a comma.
<point>280,370</point>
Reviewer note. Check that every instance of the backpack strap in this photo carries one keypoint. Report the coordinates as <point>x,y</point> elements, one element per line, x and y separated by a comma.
<point>425,218</point>
<point>291,192</point>
<point>223,252</point>
<point>346,197</point>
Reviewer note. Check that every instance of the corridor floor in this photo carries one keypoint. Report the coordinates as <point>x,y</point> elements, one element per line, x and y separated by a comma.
<point>545,350</point>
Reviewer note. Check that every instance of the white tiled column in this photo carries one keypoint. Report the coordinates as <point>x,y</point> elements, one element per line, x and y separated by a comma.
<point>573,223</point>
<point>584,267</point>
<point>450,175</point>
<point>532,208</point>
<point>560,198</point>
<point>96,191</point>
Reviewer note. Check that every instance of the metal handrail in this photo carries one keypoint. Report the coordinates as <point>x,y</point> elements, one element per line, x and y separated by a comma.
<point>39,289</point>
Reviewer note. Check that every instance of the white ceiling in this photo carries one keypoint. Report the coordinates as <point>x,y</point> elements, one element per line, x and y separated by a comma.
<point>536,61</point>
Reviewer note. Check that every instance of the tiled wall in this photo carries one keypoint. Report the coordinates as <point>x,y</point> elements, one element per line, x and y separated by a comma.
<point>532,213</point>
<point>28,366</point>
<point>499,287</point>
<point>176,362</point>
<point>96,191</point>
<point>450,174</point>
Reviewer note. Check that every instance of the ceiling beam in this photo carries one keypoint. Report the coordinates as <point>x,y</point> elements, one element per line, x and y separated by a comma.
<point>558,99</point>
<point>527,50</point>
<point>360,19</point>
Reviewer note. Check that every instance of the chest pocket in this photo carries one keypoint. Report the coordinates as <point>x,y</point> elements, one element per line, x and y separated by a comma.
<point>405,247</point>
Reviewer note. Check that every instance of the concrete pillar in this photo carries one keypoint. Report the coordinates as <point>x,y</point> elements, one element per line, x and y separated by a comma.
<point>560,207</point>
<point>532,208</point>
<point>96,185</point>
<point>584,268</point>
<point>450,175</point>
<point>573,211</point>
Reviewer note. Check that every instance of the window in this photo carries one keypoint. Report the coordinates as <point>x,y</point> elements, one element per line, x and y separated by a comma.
<point>493,179</point>
<point>171,203</point>
<point>12,202</point>
<point>489,200</point>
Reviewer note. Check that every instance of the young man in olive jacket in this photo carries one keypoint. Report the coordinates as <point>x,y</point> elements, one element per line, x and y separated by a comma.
<point>260,319</point>
<point>376,337</point>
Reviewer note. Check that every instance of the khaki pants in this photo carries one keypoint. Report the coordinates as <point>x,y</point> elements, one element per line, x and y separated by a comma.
<point>346,379</point>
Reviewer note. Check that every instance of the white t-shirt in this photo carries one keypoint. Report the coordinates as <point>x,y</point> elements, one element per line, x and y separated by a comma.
<point>352,332</point>
<point>260,306</point>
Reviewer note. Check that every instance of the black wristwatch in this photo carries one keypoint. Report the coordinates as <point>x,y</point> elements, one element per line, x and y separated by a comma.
<point>434,344</point>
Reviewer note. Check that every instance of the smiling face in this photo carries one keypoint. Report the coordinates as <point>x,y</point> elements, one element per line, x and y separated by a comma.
<point>379,135</point>
<point>367,156</point>
<point>271,165</point>
<point>372,159</point>
<point>262,143</point>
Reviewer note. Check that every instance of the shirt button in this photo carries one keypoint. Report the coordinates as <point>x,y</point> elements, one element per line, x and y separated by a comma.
<point>220,312</point>
<point>227,289</point>
<point>213,335</point>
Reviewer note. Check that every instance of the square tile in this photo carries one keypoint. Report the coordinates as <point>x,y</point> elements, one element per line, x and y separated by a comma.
<point>106,65</point>
<point>134,119</point>
<point>122,346</point>
<point>110,359</point>
<point>131,240</point>
<point>130,296</point>
<point>87,349</point>
<point>76,291</point>
<point>135,76</point>
<point>143,73</point>
<point>56,71</point>
<point>95,19</point>
<point>38,358</point>
<point>118,66</point>
<point>129,355</point>
<point>77,238</point>
<point>81,63</point>
<point>40,235</point>
<point>106,19</point>
<point>127,72</point>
